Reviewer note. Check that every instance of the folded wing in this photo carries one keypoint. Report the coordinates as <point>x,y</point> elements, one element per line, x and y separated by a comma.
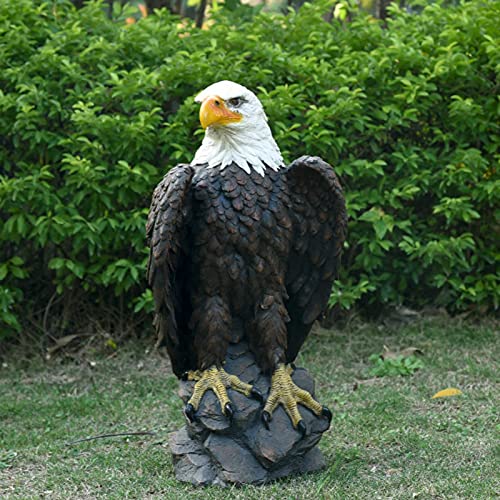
<point>319,230</point>
<point>168,237</point>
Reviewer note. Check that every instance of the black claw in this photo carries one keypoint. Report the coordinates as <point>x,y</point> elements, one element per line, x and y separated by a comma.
<point>325,411</point>
<point>189,411</point>
<point>266,418</point>
<point>301,427</point>
<point>256,394</point>
<point>229,411</point>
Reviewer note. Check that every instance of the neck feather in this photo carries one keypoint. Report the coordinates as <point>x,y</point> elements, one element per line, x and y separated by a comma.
<point>248,147</point>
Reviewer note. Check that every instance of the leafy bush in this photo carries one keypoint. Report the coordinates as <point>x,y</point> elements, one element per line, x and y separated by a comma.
<point>92,114</point>
<point>393,367</point>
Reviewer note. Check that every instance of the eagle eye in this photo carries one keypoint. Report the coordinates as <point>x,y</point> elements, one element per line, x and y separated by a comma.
<point>235,102</point>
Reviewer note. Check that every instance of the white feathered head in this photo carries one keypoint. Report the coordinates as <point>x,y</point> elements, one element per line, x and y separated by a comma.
<point>236,130</point>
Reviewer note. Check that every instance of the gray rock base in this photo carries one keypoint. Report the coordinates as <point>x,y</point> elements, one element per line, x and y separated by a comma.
<point>216,451</point>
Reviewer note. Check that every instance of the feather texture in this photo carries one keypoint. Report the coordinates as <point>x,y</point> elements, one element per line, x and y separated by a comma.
<point>235,254</point>
<point>319,217</point>
<point>168,234</point>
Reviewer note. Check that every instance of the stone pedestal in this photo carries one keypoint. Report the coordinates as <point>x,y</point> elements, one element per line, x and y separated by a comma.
<point>216,451</point>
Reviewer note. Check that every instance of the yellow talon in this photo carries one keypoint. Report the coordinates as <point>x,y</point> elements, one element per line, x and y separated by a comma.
<point>285,392</point>
<point>216,379</point>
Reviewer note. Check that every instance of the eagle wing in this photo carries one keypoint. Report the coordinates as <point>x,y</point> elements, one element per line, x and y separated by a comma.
<point>319,220</point>
<point>167,231</point>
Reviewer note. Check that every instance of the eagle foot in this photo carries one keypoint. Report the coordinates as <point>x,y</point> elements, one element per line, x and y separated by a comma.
<point>217,380</point>
<point>283,391</point>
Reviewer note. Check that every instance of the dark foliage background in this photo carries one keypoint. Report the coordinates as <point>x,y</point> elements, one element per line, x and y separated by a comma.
<point>93,112</point>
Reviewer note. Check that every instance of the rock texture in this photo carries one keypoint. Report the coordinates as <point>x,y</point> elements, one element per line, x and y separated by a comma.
<point>216,451</point>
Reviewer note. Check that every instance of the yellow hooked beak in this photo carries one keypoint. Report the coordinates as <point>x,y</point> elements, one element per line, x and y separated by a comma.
<point>213,112</point>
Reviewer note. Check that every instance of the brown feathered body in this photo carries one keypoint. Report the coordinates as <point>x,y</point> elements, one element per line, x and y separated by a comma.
<point>237,255</point>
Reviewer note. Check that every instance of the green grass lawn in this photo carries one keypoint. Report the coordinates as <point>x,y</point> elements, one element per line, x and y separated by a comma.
<point>388,438</point>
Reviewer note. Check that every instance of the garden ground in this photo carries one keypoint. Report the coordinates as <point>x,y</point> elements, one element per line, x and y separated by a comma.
<point>389,438</point>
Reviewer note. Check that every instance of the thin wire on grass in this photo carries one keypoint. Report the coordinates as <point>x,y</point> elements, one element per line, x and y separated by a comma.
<point>116,434</point>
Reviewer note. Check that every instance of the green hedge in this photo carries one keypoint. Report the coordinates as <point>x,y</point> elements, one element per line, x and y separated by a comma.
<point>93,113</point>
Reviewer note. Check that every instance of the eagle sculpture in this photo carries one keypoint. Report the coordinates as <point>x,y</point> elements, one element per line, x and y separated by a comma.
<point>239,242</point>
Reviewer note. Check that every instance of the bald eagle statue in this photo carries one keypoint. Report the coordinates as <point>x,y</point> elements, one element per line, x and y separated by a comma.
<point>239,242</point>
